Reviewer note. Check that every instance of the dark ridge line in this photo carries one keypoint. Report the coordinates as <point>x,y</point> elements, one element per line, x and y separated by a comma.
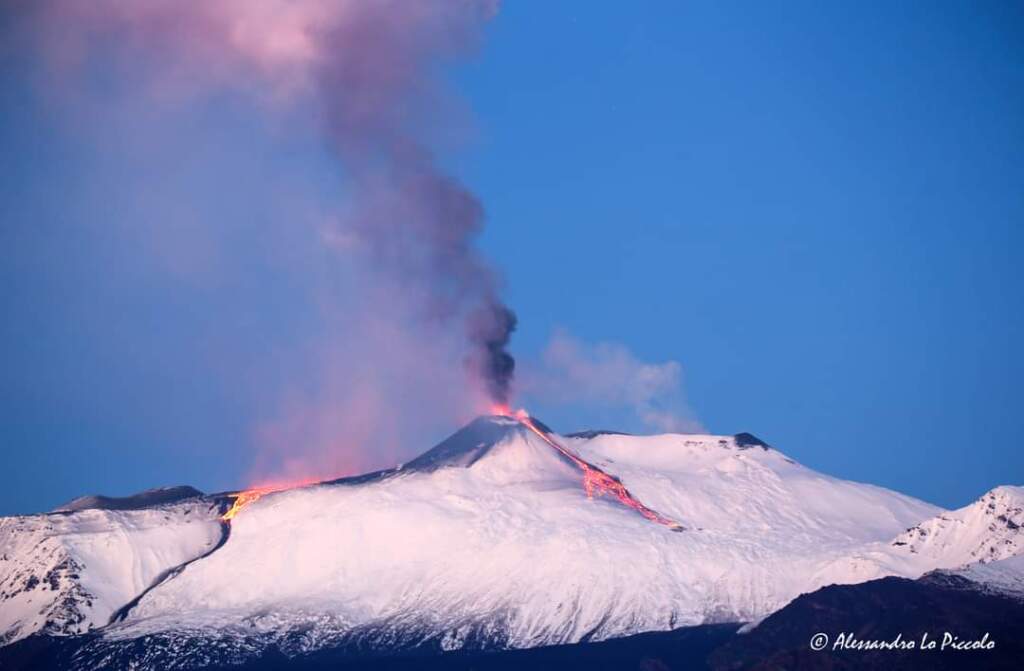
<point>221,498</point>
<point>372,476</point>
<point>594,433</point>
<point>121,613</point>
<point>746,440</point>
<point>149,498</point>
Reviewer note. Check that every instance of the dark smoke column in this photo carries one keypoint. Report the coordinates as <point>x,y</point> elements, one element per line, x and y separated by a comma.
<point>379,83</point>
<point>490,329</point>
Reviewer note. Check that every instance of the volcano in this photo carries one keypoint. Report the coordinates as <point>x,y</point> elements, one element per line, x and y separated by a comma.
<point>491,539</point>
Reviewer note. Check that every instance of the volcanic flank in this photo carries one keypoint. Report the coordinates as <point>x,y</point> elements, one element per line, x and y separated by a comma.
<point>488,540</point>
<point>471,443</point>
<point>595,481</point>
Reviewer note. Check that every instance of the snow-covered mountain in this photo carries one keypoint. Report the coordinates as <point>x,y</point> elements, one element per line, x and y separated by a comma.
<point>66,573</point>
<point>487,540</point>
<point>977,610</point>
<point>1003,576</point>
<point>146,499</point>
<point>990,529</point>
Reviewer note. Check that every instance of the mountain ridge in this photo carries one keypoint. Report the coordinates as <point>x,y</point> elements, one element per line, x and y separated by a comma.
<point>487,539</point>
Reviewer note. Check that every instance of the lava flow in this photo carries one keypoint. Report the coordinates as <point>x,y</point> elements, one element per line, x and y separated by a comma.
<point>595,481</point>
<point>247,496</point>
<point>242,499</point>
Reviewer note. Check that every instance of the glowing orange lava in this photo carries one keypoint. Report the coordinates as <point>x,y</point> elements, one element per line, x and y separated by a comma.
<point>247,496</point>
<point>242,499</point>
<point>596,481</point>
<point>502,409</point>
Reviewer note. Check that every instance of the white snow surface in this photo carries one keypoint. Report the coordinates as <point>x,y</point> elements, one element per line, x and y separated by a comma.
<point>990,529</point>
<point>514,535</point>
<point>497,533</point>
<point>67,573</point>
<point>1005,576</point>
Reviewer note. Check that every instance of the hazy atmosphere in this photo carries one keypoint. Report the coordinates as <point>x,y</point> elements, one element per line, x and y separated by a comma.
<point>797,221</point>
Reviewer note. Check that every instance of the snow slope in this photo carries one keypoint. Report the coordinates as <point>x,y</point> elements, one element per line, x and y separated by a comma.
<point>489,539</point>
<point>990,529</point>
<point>64,573</point>
<point>493,527</point>
<point>146,499</point>
<point>1005,576</point>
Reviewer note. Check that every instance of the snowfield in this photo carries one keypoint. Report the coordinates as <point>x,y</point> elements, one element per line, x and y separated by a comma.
<point>489,539</point>
<point>988,530</point>
<point>1004,576</point>
<point>67,573</point>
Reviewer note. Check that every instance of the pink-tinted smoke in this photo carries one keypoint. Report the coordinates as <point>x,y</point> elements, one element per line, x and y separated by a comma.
<point>368,71</point>
<point>609,377</point>
<point>372,67</point>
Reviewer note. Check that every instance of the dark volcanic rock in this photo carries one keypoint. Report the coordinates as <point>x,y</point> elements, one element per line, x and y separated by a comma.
<point>467,445</point>
<point>594,433</point>
<point>682,649</point>
<point>146,499</point>
<point>881,610</point>
<point>747,440</point>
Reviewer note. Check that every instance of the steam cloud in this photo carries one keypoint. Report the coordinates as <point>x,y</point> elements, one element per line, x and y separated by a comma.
<point>419,222</point>
<point>360,382</point>
<point>608,375</point>
<point>372,69</point>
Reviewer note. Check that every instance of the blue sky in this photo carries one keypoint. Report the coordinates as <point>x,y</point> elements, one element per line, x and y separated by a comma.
<point>814,209</point>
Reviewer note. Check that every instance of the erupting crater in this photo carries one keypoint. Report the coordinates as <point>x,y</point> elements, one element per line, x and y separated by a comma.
<point>596,482</point>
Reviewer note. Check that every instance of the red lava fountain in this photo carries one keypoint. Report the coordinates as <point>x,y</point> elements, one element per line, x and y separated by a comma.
<point>595,481</point>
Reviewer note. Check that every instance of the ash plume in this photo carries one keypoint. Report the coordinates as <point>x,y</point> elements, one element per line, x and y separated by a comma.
<point>418,223</point>
<point>371,72</point>
<point>490,329</point>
